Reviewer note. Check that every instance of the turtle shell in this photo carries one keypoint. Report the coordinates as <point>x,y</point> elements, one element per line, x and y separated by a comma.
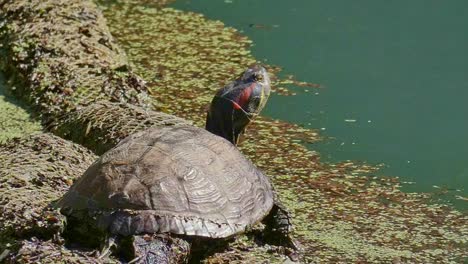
<point>181,180</point>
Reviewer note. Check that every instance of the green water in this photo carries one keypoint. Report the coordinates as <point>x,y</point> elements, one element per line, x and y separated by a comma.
<point>395,77</point>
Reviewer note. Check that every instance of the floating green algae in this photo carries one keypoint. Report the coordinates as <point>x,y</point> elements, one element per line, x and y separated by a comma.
<point>341,213</point>
<point>15,120</point>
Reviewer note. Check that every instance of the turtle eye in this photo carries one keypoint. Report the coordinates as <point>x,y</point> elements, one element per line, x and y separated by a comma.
<point>257,77</point>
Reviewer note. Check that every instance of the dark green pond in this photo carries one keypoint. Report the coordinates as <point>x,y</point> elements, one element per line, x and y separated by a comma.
<point>395,75</point>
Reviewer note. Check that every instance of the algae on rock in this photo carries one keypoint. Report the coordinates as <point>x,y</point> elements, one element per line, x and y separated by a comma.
<point>60,56</point>
<point>15,120</point>
<point>34,171</point>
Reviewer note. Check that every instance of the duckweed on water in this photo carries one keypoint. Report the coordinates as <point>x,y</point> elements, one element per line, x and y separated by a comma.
<point>341,213</point>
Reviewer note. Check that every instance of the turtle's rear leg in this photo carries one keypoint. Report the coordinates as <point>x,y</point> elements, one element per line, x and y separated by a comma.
<point>159,249</point>
<point>278,227</point>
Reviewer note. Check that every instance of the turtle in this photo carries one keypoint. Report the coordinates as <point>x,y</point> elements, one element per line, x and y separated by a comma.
<point>164,190</point>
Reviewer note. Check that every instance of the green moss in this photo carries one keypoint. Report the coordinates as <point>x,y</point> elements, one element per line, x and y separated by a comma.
<point>15,120</point>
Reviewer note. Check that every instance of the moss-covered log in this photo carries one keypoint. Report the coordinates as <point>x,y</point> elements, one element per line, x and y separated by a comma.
<point>34,250</point>
<point>64,56</point>
<point>104,124</point>
<point>34,172</point>
<point>60,56</point>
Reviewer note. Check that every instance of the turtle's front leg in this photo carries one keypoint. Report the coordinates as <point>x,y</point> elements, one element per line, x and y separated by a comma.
<point>159,248</point>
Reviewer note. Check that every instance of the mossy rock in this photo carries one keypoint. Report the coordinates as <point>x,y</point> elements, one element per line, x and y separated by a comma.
<point>35,171</point>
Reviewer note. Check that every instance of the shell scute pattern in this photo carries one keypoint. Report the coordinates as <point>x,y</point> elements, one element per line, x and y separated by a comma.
<point>180,179</point>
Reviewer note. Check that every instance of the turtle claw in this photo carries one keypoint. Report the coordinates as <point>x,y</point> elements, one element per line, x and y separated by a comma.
<point>135,260</point>
<point>109,244</point>
<point>292,243</point>
<point>292,248</point>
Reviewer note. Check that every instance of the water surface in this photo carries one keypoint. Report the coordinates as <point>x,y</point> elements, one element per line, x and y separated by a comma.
<point>395,77</point>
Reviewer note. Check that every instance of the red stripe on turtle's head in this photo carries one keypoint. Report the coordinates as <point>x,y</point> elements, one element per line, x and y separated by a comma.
<point>244,97</point>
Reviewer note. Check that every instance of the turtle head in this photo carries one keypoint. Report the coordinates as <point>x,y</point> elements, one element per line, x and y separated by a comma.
<point>237,103</point>
<point>255,73</point>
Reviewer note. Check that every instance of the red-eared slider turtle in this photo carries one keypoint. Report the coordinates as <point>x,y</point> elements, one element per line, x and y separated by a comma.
<point>181,182</point>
